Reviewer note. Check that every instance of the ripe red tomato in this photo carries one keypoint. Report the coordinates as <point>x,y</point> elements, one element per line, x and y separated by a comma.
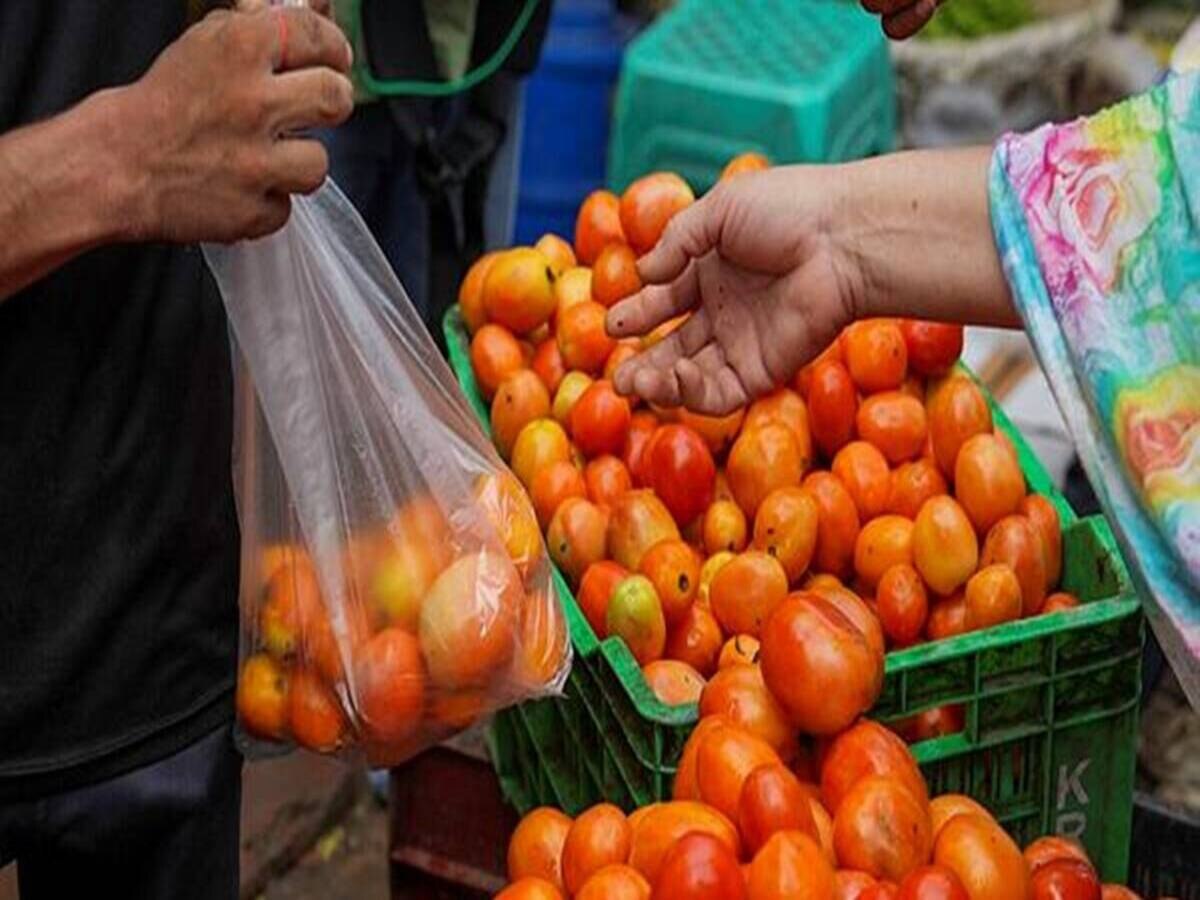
<point>641,428</point>
<point>699,867</point>
<point>680,469</point>
<point>600,420</point>
<point>932,883</point>
<point>832,406</point>
<point>933,347</point>
<point>1065,879</point>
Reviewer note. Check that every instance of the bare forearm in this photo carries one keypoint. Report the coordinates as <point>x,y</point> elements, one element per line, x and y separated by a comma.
<point>919,227</point>
<point>62,190</point>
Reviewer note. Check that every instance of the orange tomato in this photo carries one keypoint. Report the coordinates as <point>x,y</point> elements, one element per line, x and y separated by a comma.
<point>832,406</point>
<point>819,666</point>
<point>749,161</point>
<point>657,830</point>
<point>883,542</point>
<point>864,471</point>
<point>470,292</point>
<point>637,522</point>
<point>824,823</point>
<point>912,484</point>
<point>851,884</point>
<point>1015,541</point>
<point>520,399</point>
<point>837,524</point>
<point>718,431</point>
<point>746,590</point>
<point>390,685</point>
<point>772,800</point>
<point>548,365</point>
<point>786,528</point>
<point>624,351</point>
<point>576,536</point>
<point>866,749</point>
<point>635,615</point>
<point>648,205</point>
<point>791,866</point>
<point>895,423</point>
<point>699,867</point>
<point>597,225</point>
<point>945,549</point>
<point>947,617</point>
<point>1059,602</point>
<point>262,697</point>
<point>518,291</point>
<point>674,570</point>
<point>957,412</point>
<point>987,481</point>
<point>599,837</point>
<point>739,649</point>
<point>695,640</point>
<point>1065,879</point>
<point>984,858</point>
<point>739,695</point>
<point>582,339</point>
<point>1046,850</point>
<point>785,407</point>
<point>615,275</point>
<point>536,846</point>
<point>724,527</point>
<point>944,808</point>
<point>552,485</point>
<point>510,514</point>
<point>1041,512</point>
<point>761,460</point>
<point>606,479</point>
<point>687,785</point>
<point>993,596</point>
<point>539,444</point>
<point>854,608</point>
<point>679,467</point>
<point>933,347</point>
<point>495,354</point>
<point>641,428</point>
<point>932,883</point>
<point>880,828</point>
<point>600,420</point>
<point>530,889</point>
<point>902,605</point>
<point>596,587</point>
<point>615,883</point>
<point>315,715</point>
<point>876,355</point>
<point>724,761</point>
<point>557,252</point>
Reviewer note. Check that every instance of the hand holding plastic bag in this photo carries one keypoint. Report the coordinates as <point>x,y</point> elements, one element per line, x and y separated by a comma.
<point>394,586</point>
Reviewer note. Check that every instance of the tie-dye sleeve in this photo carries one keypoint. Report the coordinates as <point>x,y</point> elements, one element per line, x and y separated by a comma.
<point>1096,225</point>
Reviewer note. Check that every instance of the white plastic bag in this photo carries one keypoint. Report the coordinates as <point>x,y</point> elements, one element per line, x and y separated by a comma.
<point>394,586</point>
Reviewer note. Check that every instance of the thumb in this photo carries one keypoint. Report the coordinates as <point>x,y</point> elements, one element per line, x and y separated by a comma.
<point>690,234</point>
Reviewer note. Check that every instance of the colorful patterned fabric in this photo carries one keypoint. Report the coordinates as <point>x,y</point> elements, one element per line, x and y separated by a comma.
<point>1096,222</point>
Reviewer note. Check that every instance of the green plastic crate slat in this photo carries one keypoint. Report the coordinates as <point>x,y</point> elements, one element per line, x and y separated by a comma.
<point>1051,702</point>
<point>798,80</point>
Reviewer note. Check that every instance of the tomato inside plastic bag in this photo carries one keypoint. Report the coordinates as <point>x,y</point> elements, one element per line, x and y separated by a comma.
<point>394,584</point>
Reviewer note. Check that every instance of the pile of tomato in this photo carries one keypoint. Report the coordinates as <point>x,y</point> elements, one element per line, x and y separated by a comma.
<point>870,504</point>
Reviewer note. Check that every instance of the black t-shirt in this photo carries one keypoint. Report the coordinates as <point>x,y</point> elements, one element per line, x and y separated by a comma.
<point>118,537</point>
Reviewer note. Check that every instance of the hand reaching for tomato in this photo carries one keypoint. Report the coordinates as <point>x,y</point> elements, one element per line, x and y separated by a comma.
<point>770,266</point>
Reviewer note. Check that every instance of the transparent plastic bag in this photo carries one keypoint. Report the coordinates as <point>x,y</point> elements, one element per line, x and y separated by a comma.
<point>394,584</point>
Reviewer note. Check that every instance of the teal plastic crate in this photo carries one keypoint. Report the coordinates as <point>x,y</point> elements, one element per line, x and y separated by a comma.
<point>1050,703</point>
<point>798,80</point>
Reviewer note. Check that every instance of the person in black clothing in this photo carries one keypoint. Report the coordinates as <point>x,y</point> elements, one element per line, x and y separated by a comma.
<point>126,137</point>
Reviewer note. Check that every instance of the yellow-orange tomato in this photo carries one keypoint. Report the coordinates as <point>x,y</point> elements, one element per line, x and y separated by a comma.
<point>984,858</point>
<point>957,411</point>
<point>470,292</point>
<point>530,889</point>
<point>895,423</point>
<point>520,399</point>
<point>695,640</point>
<point>582,339</point>
<point>987,481</point>
<point>570,389</point>
<point>726,757</point>
<point>572,286</point>
<point>1015,541</point>
<point>746,590</point>
<point>750,161</point>
<point>495,354</point>
<point>576,536</point>
<point>597,225</point>
<point>837,524</point>
<point>674,570</point>
<point>1059,602</point>
<point>510,513</point>
<point>539,444</point>
<point>944,808</point>
<point>262,697</point>
<point>876,354</point>
<point>552,485</point>
<point>791,866</point>
<point>557,252</point>
<point>761,460</point>
<point>786,528</point>
<point>1041,512</point>
<point>657,829</point>
<point>648,205</point>
<point>717,431</point>
<point>724,527</point>
<point>912,484</point>
<point>709,571</point>
<point>785,407</point>
<point>864,471</point>
<point>993,596</point>
<point>945,549</point>
<point>883,542</point>
<point>624,351</point>
<point>739,649</point>
<point>902,605</point>
<point>617,882</point>
<point>518,291</point>
<point>738,694</point>
<point>606,479</point>
<point>865,749</point>
<point>615,275</point>
<point>536,846</point>
<point>638,521</point>
<point>635,616</point>
<point>947,617</point>
<point>599,837</point>
<point>880,828</point>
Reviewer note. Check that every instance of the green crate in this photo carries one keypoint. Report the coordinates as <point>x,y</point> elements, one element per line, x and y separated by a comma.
<point>1051,703</point>
<point>798,80</point>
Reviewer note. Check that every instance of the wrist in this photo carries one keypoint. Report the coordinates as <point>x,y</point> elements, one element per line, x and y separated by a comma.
<point>119,198</point>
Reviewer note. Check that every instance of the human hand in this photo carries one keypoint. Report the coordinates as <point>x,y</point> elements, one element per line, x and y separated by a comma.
<point>204,134</point>
<point>758,264</point>
<point>902,18</point>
